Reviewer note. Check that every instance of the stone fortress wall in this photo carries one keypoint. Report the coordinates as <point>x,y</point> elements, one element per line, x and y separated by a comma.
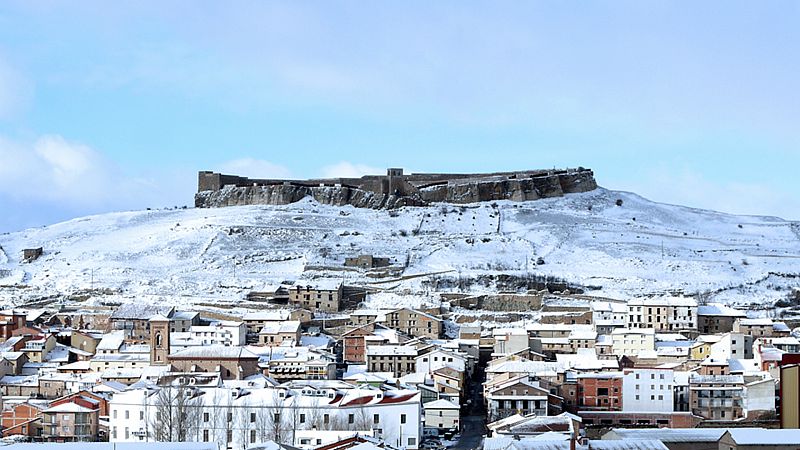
<point>395,189</point>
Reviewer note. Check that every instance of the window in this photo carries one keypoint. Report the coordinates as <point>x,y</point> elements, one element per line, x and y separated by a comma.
<point>114,413</point>
<point>205,418</point>
<point>252,436</point>
<point>376,418</point>
<point>412,441</point>
<point>302,418</point>
<point>141,415</point>
<point>351,418</point>
<point>661,397</point>
<point>402,418</point>
<point>127,414</point>
<point>230,417</point>
<point>205,435</point>
<point>229,435</point>
<point>252,417</point>
<point>127,433</point>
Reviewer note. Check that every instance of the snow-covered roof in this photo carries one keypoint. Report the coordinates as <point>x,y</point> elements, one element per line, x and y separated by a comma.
<point>288,326</point>
<point>718,309</point>
<point>140,311</point>
<point>583,334</point>
<point>440,404</point>
<point>627,444</point>
<point>663,301</point>
<point>215,352</point>
<point>69,408</point>
<point>184,315</point>
<point>716,379</point>
<point>756,322</point>
<point>634,331</point>
<point>760,436</point>
<point>111,341</point>
<point>780,326</point>
<point>391,350</point>
<point>668,434</point>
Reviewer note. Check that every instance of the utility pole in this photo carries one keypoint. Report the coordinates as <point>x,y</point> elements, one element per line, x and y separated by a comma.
<point>91,283</point>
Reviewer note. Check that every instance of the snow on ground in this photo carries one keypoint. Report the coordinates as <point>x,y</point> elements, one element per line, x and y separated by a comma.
<point>210,255</point>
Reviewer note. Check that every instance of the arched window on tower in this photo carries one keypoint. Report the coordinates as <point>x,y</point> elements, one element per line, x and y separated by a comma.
<point>158,340</point>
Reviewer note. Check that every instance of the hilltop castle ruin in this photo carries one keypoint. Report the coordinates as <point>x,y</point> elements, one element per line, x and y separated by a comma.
<point>394,189</point>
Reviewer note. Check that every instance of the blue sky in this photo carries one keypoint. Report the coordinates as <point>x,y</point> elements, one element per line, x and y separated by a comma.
<point>108,107</point>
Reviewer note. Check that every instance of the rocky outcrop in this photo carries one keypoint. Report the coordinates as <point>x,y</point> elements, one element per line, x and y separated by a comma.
<point>395,191</point>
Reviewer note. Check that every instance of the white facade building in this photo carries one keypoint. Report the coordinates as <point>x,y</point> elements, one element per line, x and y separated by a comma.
<point>221,333</point>
<point>437,359</point>
<point>237,415</point>
<point>648,390</point>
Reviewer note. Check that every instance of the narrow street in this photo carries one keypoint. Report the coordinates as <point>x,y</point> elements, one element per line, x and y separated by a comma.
<point>471,433</point>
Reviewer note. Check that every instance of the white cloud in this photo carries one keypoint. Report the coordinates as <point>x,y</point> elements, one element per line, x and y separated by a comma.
<point>346,169</point>
<point>14,90</point>
<point>52,179</point>
<point>254,168</point>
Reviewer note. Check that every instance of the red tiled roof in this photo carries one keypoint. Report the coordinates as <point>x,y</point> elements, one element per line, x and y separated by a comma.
<point>396,399</point>
<point>359,401</point>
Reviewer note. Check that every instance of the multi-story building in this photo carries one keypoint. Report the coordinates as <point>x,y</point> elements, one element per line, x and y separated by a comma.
<point>319,295</point>
<point>442,414</point>
<point>600,391</point>
<point>755,327</point>
<point>134,320</point>
<point>397,359</point>
<point>663,313</point>
<point>219,333</point>
<point>631,342</point>
<point>648,390</point>
<point>520,395</point>
<point>69,422</point>
<point>717,318</point>
<point>232,363</point>
<point>256,321</point>
<point>510,340</point>
<point>717,397</point>
<point>275,334</point>
<point>438,358</point>
<point>300,363</point>
<point>240,414</point>
<point>414,323</point>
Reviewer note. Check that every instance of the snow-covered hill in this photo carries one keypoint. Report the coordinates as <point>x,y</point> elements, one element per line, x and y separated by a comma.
<point>640,247</point>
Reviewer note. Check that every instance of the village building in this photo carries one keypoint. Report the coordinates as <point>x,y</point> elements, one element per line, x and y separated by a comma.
<point>632,342</point>
<point>133,319</point>
<point>319,295</point>
<point>397,359</point>
<point>232,363</point>
<point>663,313</point>
<point>442,415</point>
<point>280,333</point>
<point>717,318</point>
<point>520,395</point>
<point>414,323</point>
<point>69,422</point>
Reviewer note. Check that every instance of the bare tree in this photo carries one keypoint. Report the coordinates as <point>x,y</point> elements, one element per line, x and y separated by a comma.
<point>177,413</point>
<point>221,409</point>
<point>242,417</point>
